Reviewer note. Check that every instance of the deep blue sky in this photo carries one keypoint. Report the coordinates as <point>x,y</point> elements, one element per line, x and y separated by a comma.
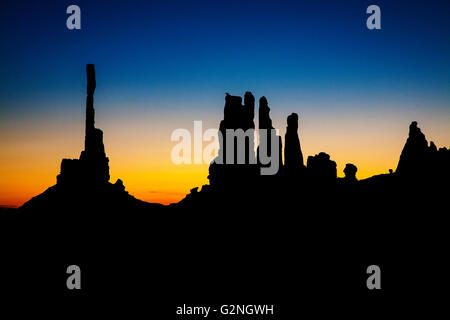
<point>189,49</point>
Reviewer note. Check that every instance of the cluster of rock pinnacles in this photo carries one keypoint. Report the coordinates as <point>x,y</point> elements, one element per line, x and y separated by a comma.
<point>418,159</point>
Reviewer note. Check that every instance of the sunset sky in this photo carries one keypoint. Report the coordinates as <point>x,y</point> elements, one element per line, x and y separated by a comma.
<point>160,65</point>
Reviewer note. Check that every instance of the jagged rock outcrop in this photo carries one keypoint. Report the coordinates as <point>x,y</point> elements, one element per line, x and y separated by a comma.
<point>350,173</point>
<point>420,161</point>
<point>293,157</point>
<point>415,153</point>
<point>321,169</point>
<point>238,124</point>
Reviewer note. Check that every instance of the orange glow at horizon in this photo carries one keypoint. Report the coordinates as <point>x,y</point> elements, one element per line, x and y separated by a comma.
<point>139,149</point>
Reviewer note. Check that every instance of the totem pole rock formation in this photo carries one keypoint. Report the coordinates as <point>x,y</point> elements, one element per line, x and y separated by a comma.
<point>93,164</point>
<point>321,168</point>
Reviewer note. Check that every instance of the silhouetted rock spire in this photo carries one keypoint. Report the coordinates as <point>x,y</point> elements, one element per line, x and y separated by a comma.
<point>249,112</point>
<point>265,123</point>
<point>93,164</point>
<point>90,88</point>
<point>420,161</point>
<point>264,118</point>
<point>293,157</point>
<point>321,168</point>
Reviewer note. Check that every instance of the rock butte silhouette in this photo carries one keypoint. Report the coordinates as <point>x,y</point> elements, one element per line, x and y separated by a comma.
<point>84,182</point>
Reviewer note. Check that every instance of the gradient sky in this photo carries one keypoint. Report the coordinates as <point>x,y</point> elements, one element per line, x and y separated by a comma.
<point>163,64</point>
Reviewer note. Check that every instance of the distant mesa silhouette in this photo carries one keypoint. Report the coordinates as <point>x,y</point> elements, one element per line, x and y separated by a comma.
<point>84,182</point>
